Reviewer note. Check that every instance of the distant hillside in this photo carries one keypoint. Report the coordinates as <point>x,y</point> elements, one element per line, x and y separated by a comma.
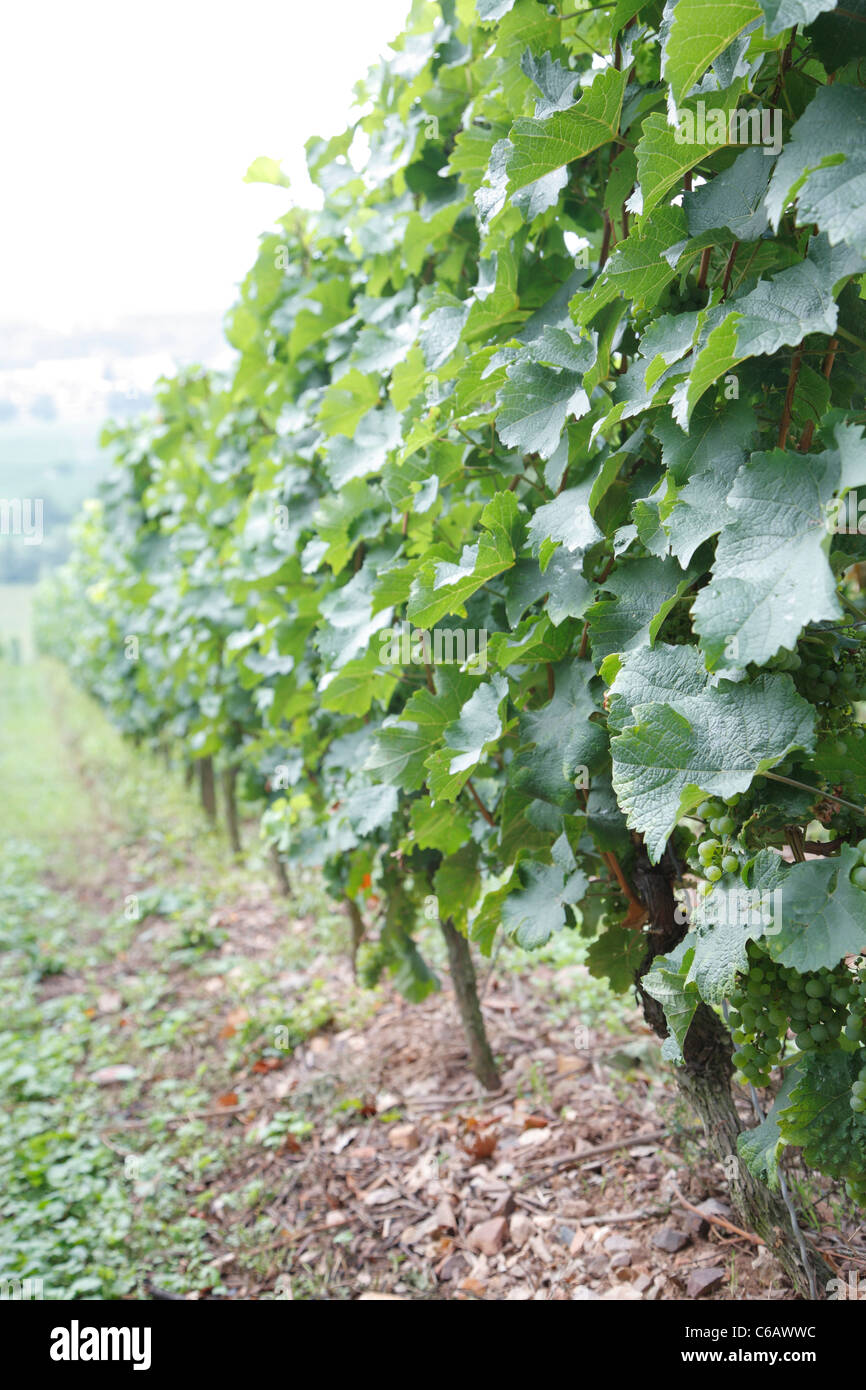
<point>57,389</point>
<point>92,371</point>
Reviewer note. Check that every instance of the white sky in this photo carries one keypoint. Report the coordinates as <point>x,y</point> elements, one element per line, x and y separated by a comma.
<point>126,127</point>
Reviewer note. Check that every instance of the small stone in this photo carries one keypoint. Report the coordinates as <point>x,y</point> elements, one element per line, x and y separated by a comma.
<point>578,1241</point>
<point>404,1137</point>
<point>504,1205</point>
<point>713,1207</point>
<point>703,1281</point>
<point>621,1260</point>
<point>521,1227</point>
<point>565,1234</point>
<point>670,1240</point>
<point>697,1226</point>
<point>597,1266</point>
<point>453,1268</point>
<point>489,1237</point>
<point>444,1218</point>
<point>615,1243</point>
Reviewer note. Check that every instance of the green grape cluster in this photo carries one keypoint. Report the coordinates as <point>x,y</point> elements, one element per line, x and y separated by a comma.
<point>715,856</point>
<point>824,1009</point>
<point>858,875</point>
<point>785,660</point>
<point>831,677</point>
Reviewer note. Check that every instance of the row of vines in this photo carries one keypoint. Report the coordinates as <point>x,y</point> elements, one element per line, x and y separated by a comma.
<point>515,567</point>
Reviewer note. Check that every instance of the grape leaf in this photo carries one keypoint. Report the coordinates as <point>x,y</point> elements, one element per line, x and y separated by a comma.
<point>698,34</point>
<point>439,826</point>
<point>784,14</point>
<point>536,401</point>
<point>823,166</point>
<point>540,146</point>
<point>818,1115</point>
<point>706,461</point>
<point>760,1148</point>
<point>734,199</point>
<point>616,956</point>
<point>566,519</point>
<point>824,914</point>
<point>562,737</point>
<point>532,912</point>
<point>443,586</point>
<point>652,676</point>
<point>467,739</point>
<point>771,574</point>
<point>713,742</point>
<point>645,591</point>
<point>668,982</point>
<point>637,269</point>
<point>724,922</point>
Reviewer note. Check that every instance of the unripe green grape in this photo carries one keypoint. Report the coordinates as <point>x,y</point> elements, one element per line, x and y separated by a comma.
<point>730,863</point>
<point>859,876</point>
<point>713,873</point>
